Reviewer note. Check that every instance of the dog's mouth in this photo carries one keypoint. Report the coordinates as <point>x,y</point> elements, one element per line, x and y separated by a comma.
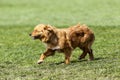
<point>36,37</point>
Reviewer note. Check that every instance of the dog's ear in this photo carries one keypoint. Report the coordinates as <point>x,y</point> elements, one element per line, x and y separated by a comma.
<point>48,27</point>
<point>80,33</point>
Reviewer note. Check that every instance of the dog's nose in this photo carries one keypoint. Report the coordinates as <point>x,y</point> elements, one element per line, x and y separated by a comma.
<point>30,34</point>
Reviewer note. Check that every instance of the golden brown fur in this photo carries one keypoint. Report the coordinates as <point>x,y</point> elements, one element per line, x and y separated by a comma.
<point>64,40</point>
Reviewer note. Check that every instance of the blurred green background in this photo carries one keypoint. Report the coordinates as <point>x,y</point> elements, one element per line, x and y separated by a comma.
<point>60,12</point>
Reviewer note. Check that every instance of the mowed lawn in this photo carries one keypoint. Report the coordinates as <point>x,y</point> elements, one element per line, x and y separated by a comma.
<point>19,53</point>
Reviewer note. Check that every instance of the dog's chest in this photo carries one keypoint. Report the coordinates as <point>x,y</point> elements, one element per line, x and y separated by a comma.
<point>55,48</point>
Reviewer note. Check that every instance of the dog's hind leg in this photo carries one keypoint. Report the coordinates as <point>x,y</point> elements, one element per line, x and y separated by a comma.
<point>91,56</point>
<point>67,56</point>
<point>48,52</point>
<point>90,52</point>
<point>85,51</point>
<point>83,54</point>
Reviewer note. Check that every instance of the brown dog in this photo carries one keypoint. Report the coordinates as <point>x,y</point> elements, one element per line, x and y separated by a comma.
<point>64,40</point>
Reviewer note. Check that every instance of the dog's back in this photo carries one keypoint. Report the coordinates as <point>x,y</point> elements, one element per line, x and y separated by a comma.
<point>81,36</point>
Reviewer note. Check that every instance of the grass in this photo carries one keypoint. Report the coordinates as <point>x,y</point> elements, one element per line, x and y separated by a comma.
<point>18,53</point>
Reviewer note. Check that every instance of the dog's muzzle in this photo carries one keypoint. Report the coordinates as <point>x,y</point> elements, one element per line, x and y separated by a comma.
<point>34,37</point>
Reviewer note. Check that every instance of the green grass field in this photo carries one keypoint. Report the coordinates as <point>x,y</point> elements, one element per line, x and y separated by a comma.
<point>19,53</point>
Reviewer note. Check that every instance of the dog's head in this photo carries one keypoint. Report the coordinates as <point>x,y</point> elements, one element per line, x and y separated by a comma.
<point>43,32</point>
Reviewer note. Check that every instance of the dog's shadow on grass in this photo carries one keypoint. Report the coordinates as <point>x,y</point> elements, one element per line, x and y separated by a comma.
<point>77,61</point>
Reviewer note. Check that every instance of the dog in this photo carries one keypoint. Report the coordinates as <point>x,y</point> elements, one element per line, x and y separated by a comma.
<point>64,40</point>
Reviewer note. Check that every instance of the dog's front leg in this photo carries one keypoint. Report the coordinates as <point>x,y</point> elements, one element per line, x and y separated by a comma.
<point>47,53</point>
<point>67,56</point>
<point>61,42</point>
<point>61,39</point>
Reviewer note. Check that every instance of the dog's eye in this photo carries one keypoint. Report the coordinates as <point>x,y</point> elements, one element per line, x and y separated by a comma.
<point>40,32</point>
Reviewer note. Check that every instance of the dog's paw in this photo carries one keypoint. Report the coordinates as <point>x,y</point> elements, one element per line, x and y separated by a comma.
<point>40,61</point>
